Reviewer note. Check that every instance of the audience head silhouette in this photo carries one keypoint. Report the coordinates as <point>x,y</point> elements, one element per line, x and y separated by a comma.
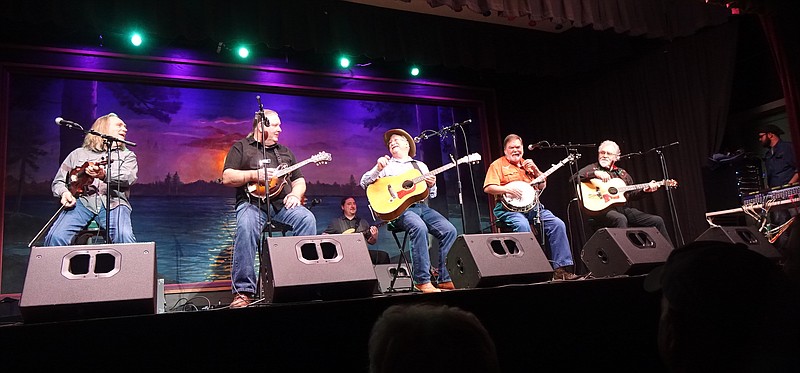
<point>421,337</point>
<point>723,308</point>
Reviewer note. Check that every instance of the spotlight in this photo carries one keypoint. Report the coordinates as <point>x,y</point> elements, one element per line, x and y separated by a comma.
<point>344,62</point>
<point>136,39</point>
<point>414,71</point>
<point>243,52</point>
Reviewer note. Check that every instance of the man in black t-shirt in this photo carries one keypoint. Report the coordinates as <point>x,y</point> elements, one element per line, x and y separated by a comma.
<point>250,167</point>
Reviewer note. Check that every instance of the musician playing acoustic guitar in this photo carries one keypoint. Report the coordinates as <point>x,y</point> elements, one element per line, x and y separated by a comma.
<point>84,179</point>
<point>499,182</point>
<point>618,215</point>
<point>252,162</point>
<point>348,222</point>
<point>418,219</point>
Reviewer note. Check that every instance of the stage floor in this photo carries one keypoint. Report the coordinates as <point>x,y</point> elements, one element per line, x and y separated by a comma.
<point>606,324</point>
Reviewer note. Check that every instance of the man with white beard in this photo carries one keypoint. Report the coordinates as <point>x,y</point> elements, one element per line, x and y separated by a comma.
<point>619,215</point>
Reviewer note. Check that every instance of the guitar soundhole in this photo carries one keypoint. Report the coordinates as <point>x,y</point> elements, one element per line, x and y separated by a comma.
<point>408,184</point>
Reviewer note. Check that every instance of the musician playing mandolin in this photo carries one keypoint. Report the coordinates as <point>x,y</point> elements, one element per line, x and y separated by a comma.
<point>499,180</point>
<point>249,167</point>
<point>84,179</point>
<point>619,215</point>
<point>418,219</point>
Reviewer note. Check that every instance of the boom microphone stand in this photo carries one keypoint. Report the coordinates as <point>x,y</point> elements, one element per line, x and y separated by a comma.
<point>570,148</point>
<point>671,201</point>
<point>443,133</point>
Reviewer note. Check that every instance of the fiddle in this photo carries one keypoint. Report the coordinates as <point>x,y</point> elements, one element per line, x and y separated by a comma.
<point>79,180</point>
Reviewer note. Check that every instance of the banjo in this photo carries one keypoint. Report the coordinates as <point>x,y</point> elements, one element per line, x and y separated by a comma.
<point>529,194</point>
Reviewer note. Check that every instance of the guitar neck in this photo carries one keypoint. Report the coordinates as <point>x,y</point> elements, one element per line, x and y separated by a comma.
<point>434,172</point>
<point>638,186</point>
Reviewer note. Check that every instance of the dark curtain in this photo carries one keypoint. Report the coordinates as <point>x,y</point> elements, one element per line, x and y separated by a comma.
<point>783,34</point>
<point>676,94</point>
<point>323,27</point>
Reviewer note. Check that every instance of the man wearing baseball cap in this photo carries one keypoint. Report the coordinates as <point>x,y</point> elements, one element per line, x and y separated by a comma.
<point>418,219</point>
<point>781,169</point>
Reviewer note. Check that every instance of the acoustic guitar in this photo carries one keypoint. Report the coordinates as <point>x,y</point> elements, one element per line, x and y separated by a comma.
<point>280,178</point>
<point>390,196</point>
<point>598,195</point>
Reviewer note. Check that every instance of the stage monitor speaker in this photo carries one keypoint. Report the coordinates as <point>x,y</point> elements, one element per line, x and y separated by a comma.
<point>89,281</point>
<point>749,236</point>
<point>625,251</point>
<point>484,260</point>
<point>324,267</point>
<point>385,272</point>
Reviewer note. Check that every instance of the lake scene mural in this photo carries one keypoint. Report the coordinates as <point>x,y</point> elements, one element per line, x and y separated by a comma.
<point>182,135</point>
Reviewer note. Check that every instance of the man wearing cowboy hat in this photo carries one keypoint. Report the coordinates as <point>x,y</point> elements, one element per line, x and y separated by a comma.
<point>418,219</point>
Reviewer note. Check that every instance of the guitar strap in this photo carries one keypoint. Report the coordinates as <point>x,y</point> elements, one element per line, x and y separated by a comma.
<point>414,163</point>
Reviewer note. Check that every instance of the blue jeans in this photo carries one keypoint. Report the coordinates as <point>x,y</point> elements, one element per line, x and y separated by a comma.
<point>71,222</point>
<point>554,230</point>
<point>419,220</point>
<point>250,221</point>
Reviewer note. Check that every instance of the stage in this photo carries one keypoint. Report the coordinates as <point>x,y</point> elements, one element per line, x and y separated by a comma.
<point>602,324</point>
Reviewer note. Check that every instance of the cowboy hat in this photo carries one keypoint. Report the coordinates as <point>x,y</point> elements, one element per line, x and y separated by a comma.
<point>412,147</point>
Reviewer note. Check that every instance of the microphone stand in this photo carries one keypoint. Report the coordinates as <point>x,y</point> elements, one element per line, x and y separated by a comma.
<point>571,148</point>
<point>670,200</point>
<point>458,173</point>
<point>268,223</point>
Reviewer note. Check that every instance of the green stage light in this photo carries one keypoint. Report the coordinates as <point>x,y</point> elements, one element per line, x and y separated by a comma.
<point>414,71</point>
<point>344,62</point>
<point>136,39</point>
<point>243,52</point>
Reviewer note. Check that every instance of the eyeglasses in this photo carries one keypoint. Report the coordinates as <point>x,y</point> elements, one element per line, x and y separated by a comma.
<point>602,152</point>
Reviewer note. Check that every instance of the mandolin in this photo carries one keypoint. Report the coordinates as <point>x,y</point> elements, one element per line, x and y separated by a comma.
<point>280,178</point>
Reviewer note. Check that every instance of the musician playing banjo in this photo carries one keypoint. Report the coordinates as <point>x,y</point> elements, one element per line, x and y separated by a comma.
<point>619,215</point>
<point>249,167</point>
<point>501,178</point>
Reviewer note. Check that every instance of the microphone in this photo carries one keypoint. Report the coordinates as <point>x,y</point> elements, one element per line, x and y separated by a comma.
<point>538,145</point>
<point>264,119</point>
<point>66,123</point>
<point>417,139</point>
<point>453,127</point>
<point>624,156</point>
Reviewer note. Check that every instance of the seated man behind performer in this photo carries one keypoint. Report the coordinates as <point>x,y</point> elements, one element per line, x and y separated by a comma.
<point>84,179</point>
<point>348,222</point>
<point>242,169</point>
<point>513,167</point>
<point>418,219</point>
<point>620,215</point>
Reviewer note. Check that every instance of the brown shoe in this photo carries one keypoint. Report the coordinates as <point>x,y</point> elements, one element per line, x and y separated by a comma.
<point>446,285</point>
<point>427,288</point>
<point>561,274</point>
<point>241,300</point>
